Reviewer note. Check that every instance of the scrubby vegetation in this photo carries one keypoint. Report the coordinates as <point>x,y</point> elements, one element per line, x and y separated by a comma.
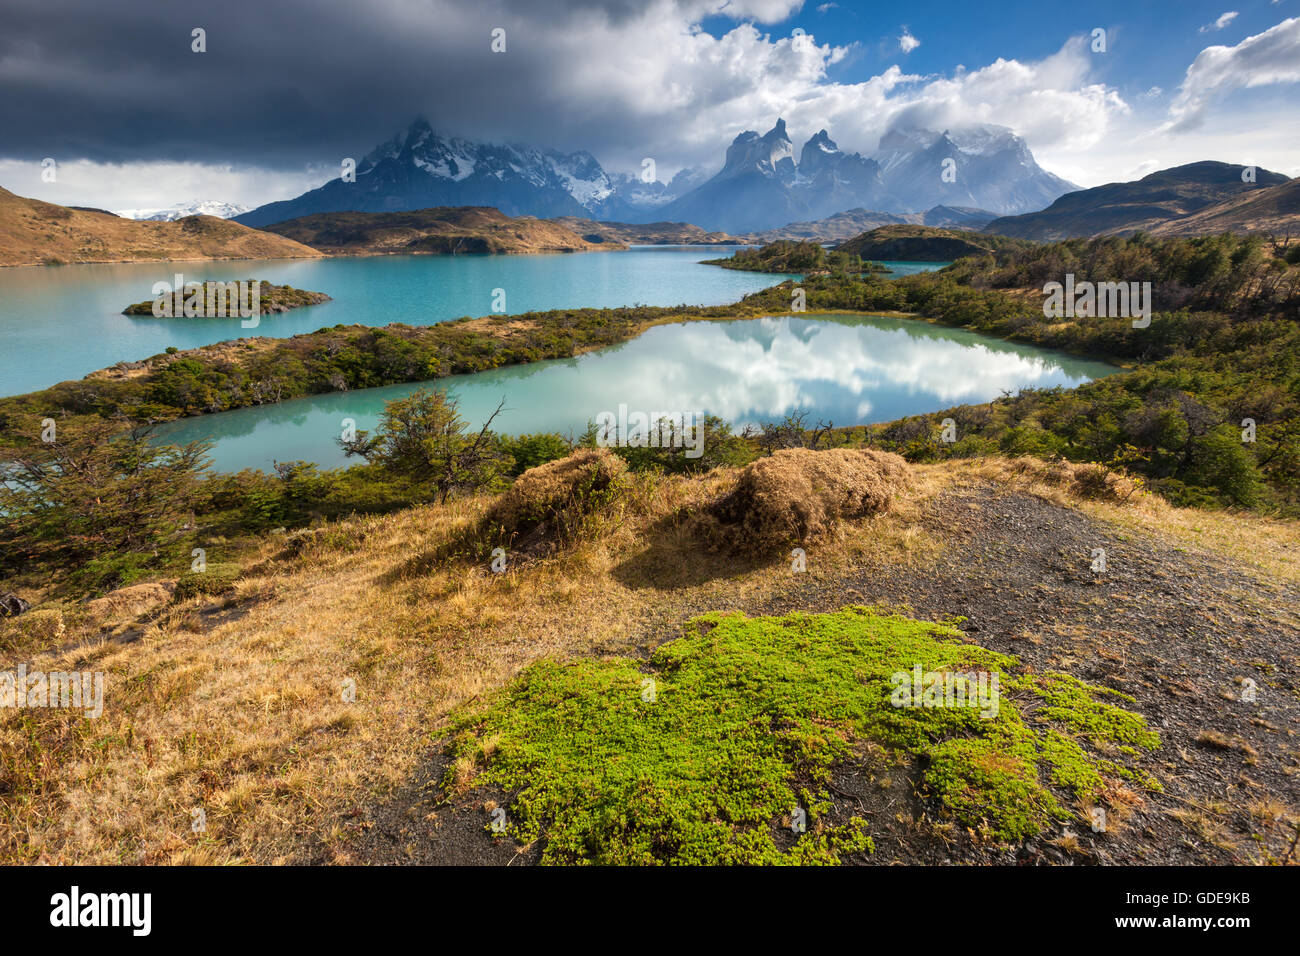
<point>707,754</point>
<point>258,371</point>
<point>924,244</point>
<point>809,258</point>
<point>1223,347</point>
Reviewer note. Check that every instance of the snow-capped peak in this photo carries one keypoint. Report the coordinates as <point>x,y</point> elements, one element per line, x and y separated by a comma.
<point>197,207</point>
<point>455,160</point>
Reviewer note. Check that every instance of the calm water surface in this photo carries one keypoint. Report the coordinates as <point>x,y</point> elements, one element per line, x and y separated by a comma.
<point>847,370</point>
<point>60,322</point>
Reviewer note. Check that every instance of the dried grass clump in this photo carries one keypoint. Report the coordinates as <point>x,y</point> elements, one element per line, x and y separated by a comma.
<point>128,603</point>
<point>555,501</point>
<point>1089,481</point>
<point>798,495</point>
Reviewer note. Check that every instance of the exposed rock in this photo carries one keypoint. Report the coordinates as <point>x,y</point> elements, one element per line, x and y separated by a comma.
<point>11,605</point>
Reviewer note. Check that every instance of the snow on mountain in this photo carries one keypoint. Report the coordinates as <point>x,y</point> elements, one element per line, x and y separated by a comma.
<point>760,185</point>
<point>199,207</point>
<point>421,168</point>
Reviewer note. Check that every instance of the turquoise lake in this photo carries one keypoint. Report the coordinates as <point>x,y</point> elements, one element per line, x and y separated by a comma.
<point>848,370</point>
<point>60,322</point>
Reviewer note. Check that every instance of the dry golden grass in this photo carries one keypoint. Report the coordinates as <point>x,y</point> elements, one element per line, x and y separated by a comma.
<point>798,496</point>
<point>236,706</point>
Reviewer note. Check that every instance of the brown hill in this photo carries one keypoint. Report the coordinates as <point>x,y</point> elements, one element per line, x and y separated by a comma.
<point>441,230</point>
<point>650,233</point>
<point>41,233</point>
<point>1149,203</point>
<point>1274,210</point>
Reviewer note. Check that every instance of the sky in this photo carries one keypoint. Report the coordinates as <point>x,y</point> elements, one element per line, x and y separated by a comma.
<point>135,117</point>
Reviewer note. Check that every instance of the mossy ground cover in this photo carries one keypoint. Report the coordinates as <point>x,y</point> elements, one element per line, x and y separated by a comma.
<point>746,720</point>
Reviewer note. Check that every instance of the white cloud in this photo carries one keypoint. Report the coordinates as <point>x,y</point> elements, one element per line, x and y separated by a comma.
<point>1143,168</point>
<point>907,43</point>
<point>1223,20</point>
<point>149,185</point>
<point>651,82</point>
<point>1263,59</point>
<point>680,95</point>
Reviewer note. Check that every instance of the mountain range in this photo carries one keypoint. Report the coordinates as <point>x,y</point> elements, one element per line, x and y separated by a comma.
<point>198,207</point>
<point>760,185</point>
<point>422,169</point>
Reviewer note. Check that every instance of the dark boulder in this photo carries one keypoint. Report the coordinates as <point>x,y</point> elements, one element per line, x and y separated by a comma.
<point>11,605</point>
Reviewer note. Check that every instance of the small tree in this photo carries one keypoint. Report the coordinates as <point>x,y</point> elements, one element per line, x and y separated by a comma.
<point>423,438</point>
<point>95,494</point>
<point>793,432</point>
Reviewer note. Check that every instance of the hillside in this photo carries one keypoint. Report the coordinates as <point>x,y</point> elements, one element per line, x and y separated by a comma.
<point>854,222</point>
<point>1123,208</point>
<point>527,690</point>
<point>916,244</point>
<point>1274,210</point>
<point>41,233</point>
<point>442,230</point>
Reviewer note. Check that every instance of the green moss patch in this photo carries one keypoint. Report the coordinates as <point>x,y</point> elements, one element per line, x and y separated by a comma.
<point>703,754</point>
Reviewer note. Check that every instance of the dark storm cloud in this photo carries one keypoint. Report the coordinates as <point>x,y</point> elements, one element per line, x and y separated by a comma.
<point>286,82</point>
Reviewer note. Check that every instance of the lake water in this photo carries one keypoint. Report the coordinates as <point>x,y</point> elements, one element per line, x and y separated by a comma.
<point>60,322</point>
<point>848,370</point>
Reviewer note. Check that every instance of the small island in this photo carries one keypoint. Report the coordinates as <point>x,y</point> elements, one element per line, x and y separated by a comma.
<point>904,243</point>
<point>219,300</point>
<point>809,258</point>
